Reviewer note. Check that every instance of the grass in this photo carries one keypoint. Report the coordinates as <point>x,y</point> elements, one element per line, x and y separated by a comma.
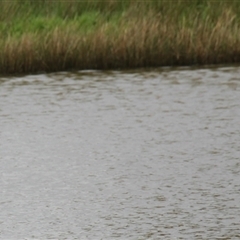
<point>45,35</point>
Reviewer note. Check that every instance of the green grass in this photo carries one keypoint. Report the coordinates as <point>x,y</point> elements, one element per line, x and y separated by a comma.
<point>21,16</point>
<point>42,24</point>
<point>55,35</point>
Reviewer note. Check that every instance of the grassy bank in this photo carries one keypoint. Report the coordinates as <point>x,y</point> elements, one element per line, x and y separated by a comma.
<point>45,35</point>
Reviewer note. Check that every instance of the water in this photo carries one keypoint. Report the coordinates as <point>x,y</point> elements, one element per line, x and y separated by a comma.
<point>121,155</point>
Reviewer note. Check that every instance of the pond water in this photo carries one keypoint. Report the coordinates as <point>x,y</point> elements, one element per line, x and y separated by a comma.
<point>148,154</point>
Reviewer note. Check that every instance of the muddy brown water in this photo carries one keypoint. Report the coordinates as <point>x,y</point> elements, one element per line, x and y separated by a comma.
<point>150,154</point>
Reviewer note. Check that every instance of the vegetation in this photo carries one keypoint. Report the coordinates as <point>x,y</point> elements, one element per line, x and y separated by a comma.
<point>51,35</point>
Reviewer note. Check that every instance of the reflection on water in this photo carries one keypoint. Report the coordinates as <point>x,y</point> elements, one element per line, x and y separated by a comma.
<point>128,155</point>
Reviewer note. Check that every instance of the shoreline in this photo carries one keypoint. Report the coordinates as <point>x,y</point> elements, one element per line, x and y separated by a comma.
<point>212,67</point>
<point>101,37</point>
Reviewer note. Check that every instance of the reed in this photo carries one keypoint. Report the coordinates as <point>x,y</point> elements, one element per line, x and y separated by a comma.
<point>39,35</point>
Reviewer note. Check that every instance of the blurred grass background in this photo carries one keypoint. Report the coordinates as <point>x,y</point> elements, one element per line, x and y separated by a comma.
<point>41,35</point>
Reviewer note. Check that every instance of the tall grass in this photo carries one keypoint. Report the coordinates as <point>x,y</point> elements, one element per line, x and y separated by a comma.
<point>41,35</point>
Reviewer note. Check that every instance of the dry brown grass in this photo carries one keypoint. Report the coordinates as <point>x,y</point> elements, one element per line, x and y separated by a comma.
<point>154,40</point>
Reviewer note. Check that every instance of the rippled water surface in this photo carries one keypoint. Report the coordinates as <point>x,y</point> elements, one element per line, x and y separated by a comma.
<point>121,155</point>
